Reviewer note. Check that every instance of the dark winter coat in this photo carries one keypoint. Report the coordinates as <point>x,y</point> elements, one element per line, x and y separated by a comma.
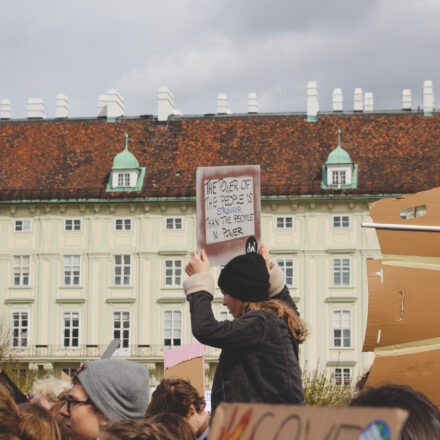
<point>259,358</point>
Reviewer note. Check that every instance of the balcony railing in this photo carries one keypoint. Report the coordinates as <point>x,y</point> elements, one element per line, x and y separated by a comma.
<point>58,352</point>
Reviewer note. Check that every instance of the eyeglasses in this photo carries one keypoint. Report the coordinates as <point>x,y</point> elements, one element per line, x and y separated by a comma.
<point>71,401</point>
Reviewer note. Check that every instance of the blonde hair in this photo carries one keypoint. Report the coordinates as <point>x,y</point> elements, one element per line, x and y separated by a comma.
<point>49,387</point>
<point>297,327</point>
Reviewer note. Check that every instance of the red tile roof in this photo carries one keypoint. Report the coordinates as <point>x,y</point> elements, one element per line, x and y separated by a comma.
<point>70,159</point>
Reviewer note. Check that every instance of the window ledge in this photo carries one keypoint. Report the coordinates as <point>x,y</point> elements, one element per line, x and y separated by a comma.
<point>71,287</point>
<point>122,287</point>
<point>341,348</point>
<point>283,251</point>
<point>70,300</point>
<point>120,300</point>
<point>21,287</point>
<point>19,300</point>
<point>347,299</point>
<point>179,299</point>
<point>172,288</point>
<point>341,287</point>
<point>173,252</point>
<point>341,363</point>
<point>340,251</point>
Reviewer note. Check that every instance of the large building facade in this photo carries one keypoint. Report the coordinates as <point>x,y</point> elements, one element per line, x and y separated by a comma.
<point>94,235</point>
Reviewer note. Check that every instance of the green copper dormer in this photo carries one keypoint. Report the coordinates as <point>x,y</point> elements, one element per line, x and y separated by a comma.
<point>339,172</point>
<point>126,174</point>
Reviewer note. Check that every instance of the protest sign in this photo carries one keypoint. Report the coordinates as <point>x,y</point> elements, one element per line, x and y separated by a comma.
<point>228,211</point>
<point>245,421</point>
<point>186,362</point>
<point>403,328</point>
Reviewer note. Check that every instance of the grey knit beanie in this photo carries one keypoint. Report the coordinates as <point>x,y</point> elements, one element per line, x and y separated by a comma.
<point>117,387</point>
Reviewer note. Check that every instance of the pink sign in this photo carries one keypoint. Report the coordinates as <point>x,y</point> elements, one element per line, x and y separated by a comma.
<point>175,356</point>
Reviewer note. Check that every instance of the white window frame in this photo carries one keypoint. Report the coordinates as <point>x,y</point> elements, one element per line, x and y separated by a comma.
<point>171,224</point>
<point>72,271</point>
<point>282,220</point>
<point>20,329</point>
<point>173,328</point>
<point>122,179</point>
<point>23,222</point>
<point>343,325</point>
<point>347,169</point>
<point>340,270</point>
<point>70,346</point>
<point>227,315</point>
<point>122,265</point>
<point>126,224</point>
<point>73,227</point>
<point>122,351</point>
<point>173,272</point>
<point>340,376</point>
<point>341,224</point>
<point>283,263</point>
<point>21,274</point>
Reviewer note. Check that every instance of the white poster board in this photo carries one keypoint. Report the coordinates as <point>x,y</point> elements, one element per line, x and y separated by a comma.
<point>228,211</point>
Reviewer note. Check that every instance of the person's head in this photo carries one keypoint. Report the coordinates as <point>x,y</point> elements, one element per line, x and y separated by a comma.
<point>105,390</point>
<point>423,422</point>
<point>176,425</point>
<point>244,279</point>
<point>178,396</point>
<point>47,390</point>
<point>38,423</point>
<point>136,430</point>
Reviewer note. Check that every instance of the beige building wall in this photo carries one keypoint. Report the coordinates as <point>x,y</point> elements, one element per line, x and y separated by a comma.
<point>312,243</point>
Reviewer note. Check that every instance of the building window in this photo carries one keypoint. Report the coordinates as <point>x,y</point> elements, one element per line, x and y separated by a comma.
<point>123,224</point>
<point>289,270</point>
<point>123,179</point>
<point>20,329</point>
<point>72,224</point>
<point>70,329</point>
<point>122,270</point>
<point>23,226</point>
<point>341,221</point>
<point>338,177</point>
<point>225,315</point>
<point>69,371</point>
<point>342,376</point>
<point>121,330</point>
<point>72,270</point>
<point>22,270</point>
<point>172,328</point>
<point>284,222</point>
<point>173,223</point>
<point>341,272</point>
<point>173,273</point>
<point>342,329</point>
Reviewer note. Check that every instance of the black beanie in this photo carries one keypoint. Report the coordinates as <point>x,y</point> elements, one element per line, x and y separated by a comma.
<point>246,277</point>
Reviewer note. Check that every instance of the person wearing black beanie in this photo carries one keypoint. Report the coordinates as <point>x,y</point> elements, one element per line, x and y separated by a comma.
<point>259,358</point>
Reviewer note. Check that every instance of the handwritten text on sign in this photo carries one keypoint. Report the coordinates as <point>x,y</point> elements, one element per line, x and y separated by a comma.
<point>229,208</point>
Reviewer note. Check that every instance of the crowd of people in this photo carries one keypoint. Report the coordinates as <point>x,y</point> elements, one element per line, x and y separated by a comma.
<point>109,398</point>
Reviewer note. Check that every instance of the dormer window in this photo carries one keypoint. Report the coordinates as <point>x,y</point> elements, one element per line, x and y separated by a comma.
<point>126,174</point>
<point>339,172</point>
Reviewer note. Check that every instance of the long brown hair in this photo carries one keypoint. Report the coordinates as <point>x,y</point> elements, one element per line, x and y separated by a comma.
<point>295,324</point>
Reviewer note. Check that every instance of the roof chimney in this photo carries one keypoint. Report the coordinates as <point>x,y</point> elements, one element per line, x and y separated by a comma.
<point>165,103</point>
<point>358,100</point>
<point>35,108</point>
<point>115,104</point>
<point>102,106</point>
<point>428,98</point>
<point>252,103</point>
<point>338,100</point>
<point>312,101</point>
<point>62,106</point>
<point>368,102</point>
<point>222,104</point>
<point>406,99</point>
<point>5,108</point>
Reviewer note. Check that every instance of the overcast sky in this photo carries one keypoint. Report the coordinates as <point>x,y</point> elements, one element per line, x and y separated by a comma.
<point>199,48</point>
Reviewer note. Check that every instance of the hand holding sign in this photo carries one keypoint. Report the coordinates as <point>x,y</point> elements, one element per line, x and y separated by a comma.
<point>197,264</point>
<point>265,254</point>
